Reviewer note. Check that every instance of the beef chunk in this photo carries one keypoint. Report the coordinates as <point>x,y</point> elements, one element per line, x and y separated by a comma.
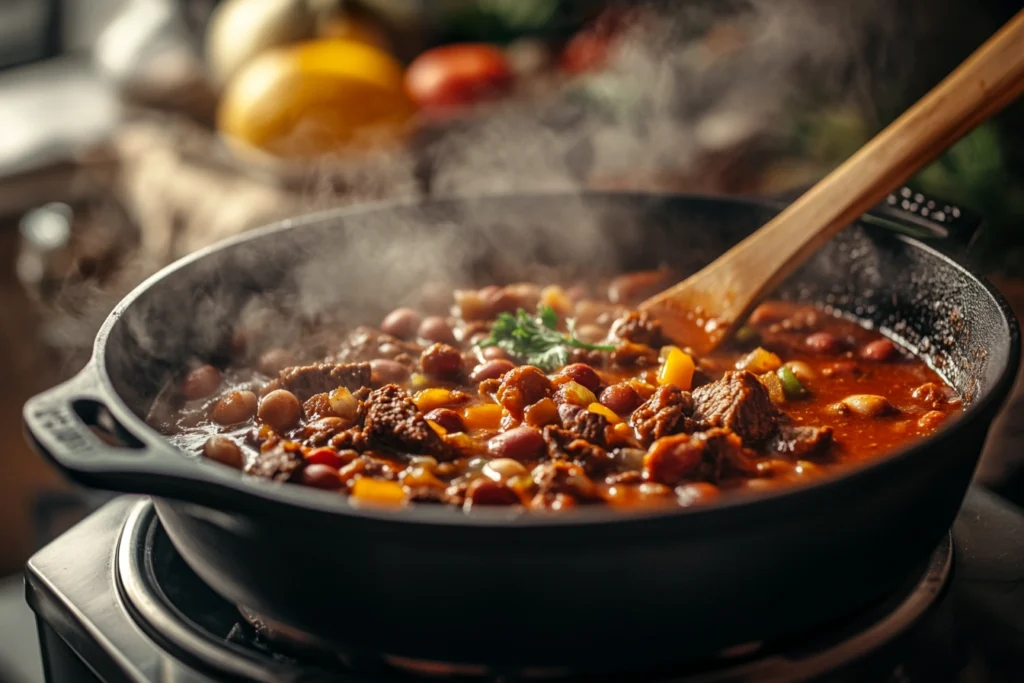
<point>562,484</point>
<point>703,455</point>
<point>306,380</point>
<point>522,387</point>
<point>629,354</point>
<point>353,439</point>
<point>801,441</point>
<point>738,402</point>
<point>317,406</point>
<point>666,412</point>
<point>364,344</point>
<point>640,328</point>
<point>394,421</point>
<point>564,444</point>
<point>282,461</point>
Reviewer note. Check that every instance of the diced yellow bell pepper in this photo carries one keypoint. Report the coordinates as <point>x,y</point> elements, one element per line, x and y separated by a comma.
<point>555,297</point>
<point>376,491</point>
<point>606,412</point>
<point>482,416</point>
<point>430,399</point>
<point>677,369</point>
<point>759,361</point>
<point>577,394</point>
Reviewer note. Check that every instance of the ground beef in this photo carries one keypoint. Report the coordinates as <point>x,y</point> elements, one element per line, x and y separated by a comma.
<point>393,421</point>
<point>562,484</point>
<point>699,456</point>
<point>640,328</point>
<point>354,439</point>
<point>801,441</point>
<point>666,412</point>
<point>364,344</point>
<point>323,431</point>
<point>738,402</point>
<point>282,461</point>
<point>306,380</point>
<point>317,406</point>
<point>564,444</point>
<point>588,426</point>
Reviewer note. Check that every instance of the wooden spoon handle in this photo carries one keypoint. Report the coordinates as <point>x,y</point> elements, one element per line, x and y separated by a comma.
<point>980,87</point>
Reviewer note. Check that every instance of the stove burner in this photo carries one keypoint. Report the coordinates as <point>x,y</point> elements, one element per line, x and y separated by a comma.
<point>154,582</point>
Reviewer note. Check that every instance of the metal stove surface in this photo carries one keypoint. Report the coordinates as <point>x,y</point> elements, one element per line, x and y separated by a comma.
<point>114,602</point>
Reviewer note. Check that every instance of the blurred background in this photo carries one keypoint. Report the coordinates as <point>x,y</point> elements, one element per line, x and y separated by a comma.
<point>133,132</point>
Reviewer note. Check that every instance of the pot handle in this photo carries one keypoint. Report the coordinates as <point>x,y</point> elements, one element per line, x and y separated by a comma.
<point>74,426</point>
<point>949,227</point>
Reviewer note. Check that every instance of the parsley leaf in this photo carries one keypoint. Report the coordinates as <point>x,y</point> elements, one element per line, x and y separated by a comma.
<point>535,339</point>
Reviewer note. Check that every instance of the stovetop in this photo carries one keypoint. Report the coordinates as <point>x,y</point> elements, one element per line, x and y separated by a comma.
<point>115,602</point>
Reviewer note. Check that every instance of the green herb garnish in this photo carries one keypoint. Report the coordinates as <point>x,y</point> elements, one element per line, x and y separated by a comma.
<point>535,339</point>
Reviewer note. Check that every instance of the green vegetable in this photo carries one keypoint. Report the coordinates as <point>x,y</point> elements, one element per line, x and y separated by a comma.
<point>790,384</point>
<point>535,339</point>
<point>747,335</point>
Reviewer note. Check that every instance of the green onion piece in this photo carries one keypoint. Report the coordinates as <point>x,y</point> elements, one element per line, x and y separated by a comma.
<point>790,384</point>
<point>747,335</point>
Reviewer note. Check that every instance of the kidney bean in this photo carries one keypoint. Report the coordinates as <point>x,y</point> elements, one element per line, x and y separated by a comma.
<point>401,323</point>
<point>442,361</point>
<point>879,350</point>
<point>494,353</point>
<point>449,420</point>
<point>225,451</point>
<point>386,371</point>
<point>768,312</point>
<point>841,368</point>
<point>321,477</point>
<point>236,407</point>
<point>486,492</point>
<point>324,456</point>
<point>436,329</point>
<point>273,361</point>
<point>200,382</point>
<point>503,301</point>
<point>620,398</point>
<point>823,342</point>
<point>280,409</point>
<point>519,443</point>
<point>581,373</point>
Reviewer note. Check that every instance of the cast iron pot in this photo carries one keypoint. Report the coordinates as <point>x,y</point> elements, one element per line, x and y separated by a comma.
<point>586,588</point>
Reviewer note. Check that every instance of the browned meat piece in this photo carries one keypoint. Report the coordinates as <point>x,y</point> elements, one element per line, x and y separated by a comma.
<point>588,426</point>
<point>666,412</point>
<point>628,354</point>
<point>322,431</point>
<point>364,344</point>
<point>354,439</point>
<point>282,461</point>
<point>703,455</point>
<point>561,484</point>
<point>306,380</point>
<point>738,402</point>
<point>801,441</point>
<point>640,328</point>
<point>567,445</point>
<point>317,406</point>
<point>522,387</point>
<point>394,421</point>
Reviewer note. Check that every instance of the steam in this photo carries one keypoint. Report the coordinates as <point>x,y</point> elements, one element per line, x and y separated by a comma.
<point>669,111</point>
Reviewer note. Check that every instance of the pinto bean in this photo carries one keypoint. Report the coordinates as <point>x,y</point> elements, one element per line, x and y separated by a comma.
<point>501,469</point>
<point>401,323</point>
<point>280,409</point>
<point>442,361</point>
<point>868,405</point>
<point>436,329</point>
<point>236,407</point>
<point>823,343</point>
<point>200,382</point>
<point>225,451</point>
<point>386,371</point>
<point>492,369</point>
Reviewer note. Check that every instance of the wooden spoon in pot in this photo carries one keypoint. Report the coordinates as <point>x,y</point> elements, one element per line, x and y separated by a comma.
<point>703,310</point>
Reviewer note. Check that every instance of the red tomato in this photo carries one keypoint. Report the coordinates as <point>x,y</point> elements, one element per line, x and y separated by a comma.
<point>584,52</point>
<point>324,456</point>
<point>455,75</point>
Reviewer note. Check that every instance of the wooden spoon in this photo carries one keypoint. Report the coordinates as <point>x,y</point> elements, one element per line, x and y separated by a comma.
<point>704,309</point>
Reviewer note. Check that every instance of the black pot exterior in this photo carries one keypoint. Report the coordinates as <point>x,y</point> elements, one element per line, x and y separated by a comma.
<point>603,590</point>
